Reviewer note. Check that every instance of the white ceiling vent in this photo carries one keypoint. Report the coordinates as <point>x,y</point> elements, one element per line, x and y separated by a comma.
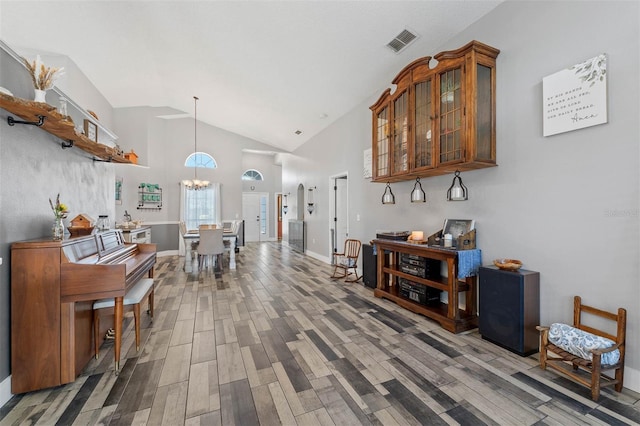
<point>402,40</point>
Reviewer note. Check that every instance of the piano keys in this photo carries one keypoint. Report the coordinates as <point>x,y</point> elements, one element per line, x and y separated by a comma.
<point>53,286</point>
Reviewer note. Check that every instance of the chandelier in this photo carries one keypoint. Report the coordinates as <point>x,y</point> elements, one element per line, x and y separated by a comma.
<point>195,183</point>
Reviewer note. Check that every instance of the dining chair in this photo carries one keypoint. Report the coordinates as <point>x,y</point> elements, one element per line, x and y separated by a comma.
<point>211,244</point>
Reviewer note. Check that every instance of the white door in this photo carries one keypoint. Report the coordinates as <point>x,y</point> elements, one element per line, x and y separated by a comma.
<point>255,209</point>
<point>340,213</point>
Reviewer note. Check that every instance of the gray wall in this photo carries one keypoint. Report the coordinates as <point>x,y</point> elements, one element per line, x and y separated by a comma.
<point>165,236</point>
<point>566,205</point>
<point>34,168</point>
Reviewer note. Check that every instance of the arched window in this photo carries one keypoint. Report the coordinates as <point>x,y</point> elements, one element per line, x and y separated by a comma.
<point>201,159</point>
<point>200,207</point>
<point>252,174</point>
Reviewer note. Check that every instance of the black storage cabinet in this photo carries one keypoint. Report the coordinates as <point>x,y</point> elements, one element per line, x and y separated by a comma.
<point>369,266</point>
<point>509,308</point>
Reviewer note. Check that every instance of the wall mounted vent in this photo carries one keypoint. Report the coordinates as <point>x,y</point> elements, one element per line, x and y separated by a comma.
<point>402,40</point>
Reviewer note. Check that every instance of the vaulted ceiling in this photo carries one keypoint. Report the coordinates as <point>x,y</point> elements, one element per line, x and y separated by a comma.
<point>262,69</point>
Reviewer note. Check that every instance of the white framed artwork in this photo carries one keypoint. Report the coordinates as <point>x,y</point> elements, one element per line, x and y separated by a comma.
<point>575,97</point>
<point>119,182</point>
<point>367,172</point>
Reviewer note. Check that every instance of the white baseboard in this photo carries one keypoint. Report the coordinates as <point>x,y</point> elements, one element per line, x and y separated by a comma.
<point>327,260</point>
<point>5,391</point>
<point>632,379</point>
<point>263,240</point>
<point>319,257</point>
<point>167,253</point>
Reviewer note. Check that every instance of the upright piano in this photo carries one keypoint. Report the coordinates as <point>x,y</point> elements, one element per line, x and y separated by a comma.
<point>53,286</point>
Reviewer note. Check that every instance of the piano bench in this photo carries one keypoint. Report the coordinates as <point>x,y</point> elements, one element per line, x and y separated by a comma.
<point>132,299</point>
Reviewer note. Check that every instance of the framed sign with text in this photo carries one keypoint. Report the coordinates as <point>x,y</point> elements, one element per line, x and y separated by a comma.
<point>91,130</point>
<point>576,97</point>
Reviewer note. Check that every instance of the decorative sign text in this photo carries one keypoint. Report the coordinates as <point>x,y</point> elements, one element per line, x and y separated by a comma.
<point>576,97</point>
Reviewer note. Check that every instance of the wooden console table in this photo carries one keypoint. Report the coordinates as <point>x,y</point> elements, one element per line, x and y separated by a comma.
<point>449,315</point>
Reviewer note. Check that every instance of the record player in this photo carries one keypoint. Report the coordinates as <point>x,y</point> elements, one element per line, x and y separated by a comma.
<point>393,235</point>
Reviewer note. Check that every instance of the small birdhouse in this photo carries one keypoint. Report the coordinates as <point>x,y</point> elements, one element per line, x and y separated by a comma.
<point>131,156</point>
<point>81,225</point>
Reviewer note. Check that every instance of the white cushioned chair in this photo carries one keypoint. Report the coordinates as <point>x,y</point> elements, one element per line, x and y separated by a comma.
<point>211,245</point>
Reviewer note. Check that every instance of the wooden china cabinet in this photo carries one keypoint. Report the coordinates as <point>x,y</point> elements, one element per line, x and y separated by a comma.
<point>438,120</point>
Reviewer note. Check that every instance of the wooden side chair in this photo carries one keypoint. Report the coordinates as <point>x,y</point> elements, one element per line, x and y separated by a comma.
<point>581,349</point>
<point>347,260</point>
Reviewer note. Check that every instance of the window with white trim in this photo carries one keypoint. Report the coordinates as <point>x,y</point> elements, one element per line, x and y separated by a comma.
<point>200,206</point>
<point>201,159</point>
<point>252,174</point>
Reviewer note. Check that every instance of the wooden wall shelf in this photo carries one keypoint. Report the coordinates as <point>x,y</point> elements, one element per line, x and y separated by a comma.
<point>60,126</point>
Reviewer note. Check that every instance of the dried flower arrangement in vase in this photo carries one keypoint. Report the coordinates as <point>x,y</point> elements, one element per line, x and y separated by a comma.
<point>42,77</point>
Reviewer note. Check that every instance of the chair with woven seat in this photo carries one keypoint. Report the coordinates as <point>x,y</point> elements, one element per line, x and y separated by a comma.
<point>574,351</point>
<point>211,244</point>
<point>347,260</point>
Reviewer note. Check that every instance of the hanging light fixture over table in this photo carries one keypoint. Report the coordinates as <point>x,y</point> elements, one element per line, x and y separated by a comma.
<point>195,183</point>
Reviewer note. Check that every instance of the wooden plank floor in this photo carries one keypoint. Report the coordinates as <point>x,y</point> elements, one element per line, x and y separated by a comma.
<point>276,341</point>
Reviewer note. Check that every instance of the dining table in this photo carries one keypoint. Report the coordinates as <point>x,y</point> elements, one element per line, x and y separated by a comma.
<point>194,236</point>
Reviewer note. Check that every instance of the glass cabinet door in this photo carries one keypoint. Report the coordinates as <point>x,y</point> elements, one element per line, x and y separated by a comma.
<point>400,133</point>
<point>423,126</point>
<point>381,166</point>
<point>484,114</point>
<point>451,126</point>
